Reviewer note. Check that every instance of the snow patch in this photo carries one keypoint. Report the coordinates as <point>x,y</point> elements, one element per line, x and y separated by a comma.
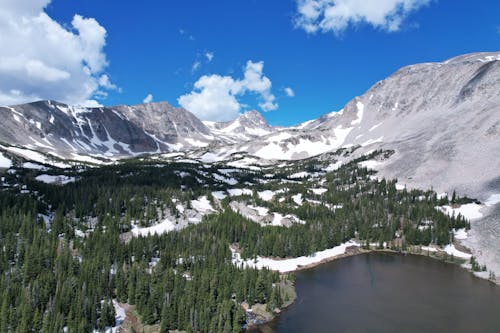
<point>234,192</point>
<point>451,250</point>
<point>297,198</point>
<point>374,127</point>
<point>460,234</point>
<point>318,191</point>
<point>289,265</point>
<point>370,164</point>
<point>157,229</point>
<point>361,109</point>
<point>469,211</point>
<point>492,200</point>
<point>372,141</point>
<point>57,179</point>
<point>5,162</point>
<point>202,205</point>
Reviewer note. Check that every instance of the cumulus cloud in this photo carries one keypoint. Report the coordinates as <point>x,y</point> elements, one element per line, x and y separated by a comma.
<point>148,99</point>
<point>337,15</point>
<point>215,97</point>
<point>289,92</point>
<point>41,59</point>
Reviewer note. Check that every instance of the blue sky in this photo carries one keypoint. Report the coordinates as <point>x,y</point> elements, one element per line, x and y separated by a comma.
<point>325,57</point>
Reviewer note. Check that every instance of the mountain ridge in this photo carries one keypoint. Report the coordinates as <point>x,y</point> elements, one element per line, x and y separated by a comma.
<point>421,111</point>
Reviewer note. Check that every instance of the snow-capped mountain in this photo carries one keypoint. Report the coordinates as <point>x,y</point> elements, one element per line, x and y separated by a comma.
<point>441,119</point>
<point>247,126</point>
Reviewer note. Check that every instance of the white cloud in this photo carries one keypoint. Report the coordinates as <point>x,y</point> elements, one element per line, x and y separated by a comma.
<point>196,65</point>
<point>148,99</point>
<point>289,92</point>
<point>209,56</point>
<point>106,83</point>
<point>41,59</point>
<point>337,15</point>
<point>215,97</point>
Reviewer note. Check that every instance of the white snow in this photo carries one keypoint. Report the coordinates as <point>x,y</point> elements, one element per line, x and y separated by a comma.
<point>196,143</point>
<point>34,166</point>
<point>262,211</point>
<point>361,109</point>
<point>58,179</point>
<point>287,150</point>
<point>372,141</point>
<point>229,181</point>
<point>220,195</point>
<point>429,248</point>
<point>5,162</point>
<point>282,136</point>
<point>157,229</point>
<point>370,164</point>
<point>202,205</point>
<point>460,234</point>
<point>279,220</point>
<point>493,200</point>
<point>288,265</point>
<point>180,208</point>
<point>374,127</point>
<point>297,198</point>
<point>469,211</point>
<point>451,250</point>
<point>266,195</point>
<point>120,315</point>
<point>400,187</point>
<point>233,192</point>
<point>318,191</point>
<point>36,157</point>
<point>333,167</point>
<point>302,174</point>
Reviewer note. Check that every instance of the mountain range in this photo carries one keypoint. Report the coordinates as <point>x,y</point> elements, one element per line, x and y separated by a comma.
<point>442,120</point>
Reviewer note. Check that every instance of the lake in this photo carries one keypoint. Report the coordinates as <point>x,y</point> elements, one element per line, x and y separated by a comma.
<point>389,293</point>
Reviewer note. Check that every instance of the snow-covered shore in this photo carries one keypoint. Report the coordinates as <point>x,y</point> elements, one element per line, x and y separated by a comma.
<point>293,264</point>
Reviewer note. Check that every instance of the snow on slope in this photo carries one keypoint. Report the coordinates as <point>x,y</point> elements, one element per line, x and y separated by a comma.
<point>59,179</point>
<point>292,264</point>
<point>470,211</point>
<point>5,162</point>
<point>157,229</point>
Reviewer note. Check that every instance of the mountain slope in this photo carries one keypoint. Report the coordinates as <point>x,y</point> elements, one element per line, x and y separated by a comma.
<point>441,119</point>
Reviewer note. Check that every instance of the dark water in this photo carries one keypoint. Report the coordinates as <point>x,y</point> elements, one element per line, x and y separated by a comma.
<point>390,293</point>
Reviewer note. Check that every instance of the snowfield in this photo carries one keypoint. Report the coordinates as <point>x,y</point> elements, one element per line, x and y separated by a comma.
<point>460,234</point>
<point>5,162</point>
<point>202,205</point>
<point>318,191</point>
<point>451,250</point>
<point>59,179</point>
<point>292,264</point>
<point>370,164</point>
<point>157,229</point>
<point>469,211</point>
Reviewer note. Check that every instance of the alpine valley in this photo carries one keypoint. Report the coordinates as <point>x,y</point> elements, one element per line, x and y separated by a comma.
<point>173,223</point>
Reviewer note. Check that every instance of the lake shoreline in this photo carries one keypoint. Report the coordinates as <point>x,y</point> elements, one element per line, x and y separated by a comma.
<point>438,255</point>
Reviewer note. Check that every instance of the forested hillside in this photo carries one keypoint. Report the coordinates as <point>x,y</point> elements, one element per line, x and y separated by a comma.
<point>70,252</point>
